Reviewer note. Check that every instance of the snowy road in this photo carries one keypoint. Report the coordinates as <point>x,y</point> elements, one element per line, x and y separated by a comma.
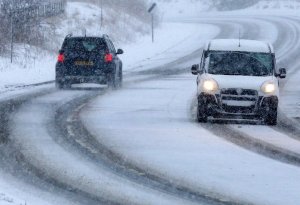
<point>141,144</point>
<point>155,132</point>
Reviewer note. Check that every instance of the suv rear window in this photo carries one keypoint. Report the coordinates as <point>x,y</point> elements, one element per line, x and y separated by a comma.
<point>84,44</point>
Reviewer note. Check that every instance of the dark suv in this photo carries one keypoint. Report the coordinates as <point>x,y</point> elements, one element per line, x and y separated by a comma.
<point>88,60</point>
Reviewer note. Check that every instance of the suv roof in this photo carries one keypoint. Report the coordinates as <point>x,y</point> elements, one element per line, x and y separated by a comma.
<point>105,36</point>
<point>239,45</point>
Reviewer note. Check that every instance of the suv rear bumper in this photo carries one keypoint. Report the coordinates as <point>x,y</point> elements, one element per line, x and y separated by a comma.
<point>65,74</point>
<point>257,110</point>
<point>83,79</point>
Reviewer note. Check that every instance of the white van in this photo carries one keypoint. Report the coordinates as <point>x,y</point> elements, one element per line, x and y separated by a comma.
<point>237,79</point>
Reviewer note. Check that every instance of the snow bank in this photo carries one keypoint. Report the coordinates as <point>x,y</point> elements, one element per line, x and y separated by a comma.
<point>172,40</point>
<point>182,8</point>
<point>277,5</point>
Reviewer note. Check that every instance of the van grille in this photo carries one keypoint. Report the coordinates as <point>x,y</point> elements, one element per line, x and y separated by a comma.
<point>235,100</point>
<point>239,92</point>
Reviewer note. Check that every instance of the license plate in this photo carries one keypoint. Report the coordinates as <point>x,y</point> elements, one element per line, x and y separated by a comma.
<point>84,63</point>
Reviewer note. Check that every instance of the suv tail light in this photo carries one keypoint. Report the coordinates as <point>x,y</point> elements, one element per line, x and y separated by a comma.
<point>108,58</point>
<point>61,58</point>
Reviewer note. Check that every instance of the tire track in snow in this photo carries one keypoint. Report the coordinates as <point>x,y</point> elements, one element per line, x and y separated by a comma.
<point>98,181</point>
<point>19,166</point>
<point>104,156</point>
<point>254,144</point>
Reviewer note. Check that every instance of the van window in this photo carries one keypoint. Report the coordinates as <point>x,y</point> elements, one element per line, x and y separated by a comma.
<point>240,63</point>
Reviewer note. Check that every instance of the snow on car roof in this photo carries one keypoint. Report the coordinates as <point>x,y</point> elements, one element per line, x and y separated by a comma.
<point>239,45</point>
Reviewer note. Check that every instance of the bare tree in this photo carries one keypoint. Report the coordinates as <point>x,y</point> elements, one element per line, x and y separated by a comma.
<point>20,20</point>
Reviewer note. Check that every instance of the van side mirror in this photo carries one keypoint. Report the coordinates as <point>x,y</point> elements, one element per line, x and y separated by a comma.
<point>195,69</point>
<point>282,73</point>
<point>120,51</point>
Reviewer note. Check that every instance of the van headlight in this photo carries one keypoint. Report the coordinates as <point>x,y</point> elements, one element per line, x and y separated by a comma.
<point>268,87</point>
<point>210,85</point>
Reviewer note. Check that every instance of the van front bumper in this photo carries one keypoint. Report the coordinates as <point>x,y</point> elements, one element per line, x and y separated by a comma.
<point>239,107</point>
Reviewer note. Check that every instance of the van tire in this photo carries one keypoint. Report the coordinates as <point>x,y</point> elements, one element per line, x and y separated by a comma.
<point>271,117</point>
<point>201,112</point>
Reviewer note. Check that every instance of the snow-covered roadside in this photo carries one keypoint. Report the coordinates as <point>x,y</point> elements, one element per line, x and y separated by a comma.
<point>24,71</point>
<point>172,41</point>
<point>276,5</point>
<point>182,8</point>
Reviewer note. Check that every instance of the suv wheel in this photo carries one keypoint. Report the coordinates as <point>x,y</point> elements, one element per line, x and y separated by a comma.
<point>59,84</point>
<point>120,82</point>
<point>271,117</point>
<point>111,81</point>
<point>201,112</point>
<point>62,84</point>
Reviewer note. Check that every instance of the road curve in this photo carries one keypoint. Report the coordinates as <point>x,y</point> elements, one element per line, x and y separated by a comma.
<point>285,48</point>
<point>68,128</point>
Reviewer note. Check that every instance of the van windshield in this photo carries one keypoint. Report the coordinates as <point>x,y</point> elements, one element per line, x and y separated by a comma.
<point>240,63</point>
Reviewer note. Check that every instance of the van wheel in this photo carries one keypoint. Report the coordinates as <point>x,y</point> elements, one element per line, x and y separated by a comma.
<point>201,112</point>
<point>271,117</point>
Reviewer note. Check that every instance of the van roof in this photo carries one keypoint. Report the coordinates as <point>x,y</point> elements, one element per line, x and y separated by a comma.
<point>239,45</point>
